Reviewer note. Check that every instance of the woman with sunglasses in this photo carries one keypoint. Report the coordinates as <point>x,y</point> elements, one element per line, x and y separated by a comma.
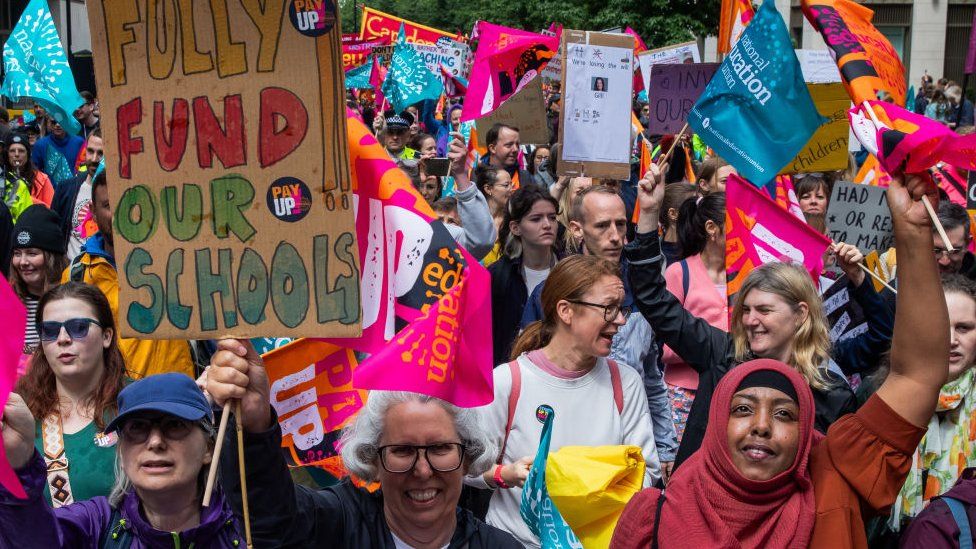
<point>71,386</point>
<point>417,447</point>
<point>37,259</point>
<point>165,443</point>
<point>560,363</point>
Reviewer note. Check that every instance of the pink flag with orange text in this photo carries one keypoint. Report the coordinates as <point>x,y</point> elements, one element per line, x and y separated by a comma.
<point>13,324</point>
<point>759,231</point>
<point>506,60</point>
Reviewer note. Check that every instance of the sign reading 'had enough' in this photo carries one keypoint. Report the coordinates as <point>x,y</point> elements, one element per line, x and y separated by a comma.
<point>227,168</point>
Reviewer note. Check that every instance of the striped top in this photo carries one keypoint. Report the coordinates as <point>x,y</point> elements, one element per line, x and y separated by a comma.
<point>31,338</point>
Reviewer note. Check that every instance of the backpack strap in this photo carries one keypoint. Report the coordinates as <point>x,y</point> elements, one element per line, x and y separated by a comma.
<point>618,389</point>
<point>117,534</point>
<point>657,519</point>
<point>958,510</point>
<point>513,398</point>
<point>685,279</point>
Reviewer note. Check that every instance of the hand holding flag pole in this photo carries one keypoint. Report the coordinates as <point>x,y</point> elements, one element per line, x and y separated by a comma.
<point>925,199</point>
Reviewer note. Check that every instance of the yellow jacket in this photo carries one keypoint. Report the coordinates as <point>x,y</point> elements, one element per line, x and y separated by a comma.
<point>143,357</point>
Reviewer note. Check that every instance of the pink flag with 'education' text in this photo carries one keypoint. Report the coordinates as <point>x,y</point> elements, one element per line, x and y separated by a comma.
<point>506,60</point>
<point>759,231</point>
<point>13,324</point>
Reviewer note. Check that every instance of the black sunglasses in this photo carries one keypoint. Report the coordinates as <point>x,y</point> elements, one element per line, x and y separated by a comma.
<point>77,328</point>
<point>138,429</point>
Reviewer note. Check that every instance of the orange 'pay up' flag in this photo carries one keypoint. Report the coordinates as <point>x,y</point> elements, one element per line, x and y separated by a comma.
<point>868,63</point>
<point>735,15</point>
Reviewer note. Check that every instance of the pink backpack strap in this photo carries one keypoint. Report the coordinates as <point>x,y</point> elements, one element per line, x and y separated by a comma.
<point>618,390</point>
<point>513,398</point>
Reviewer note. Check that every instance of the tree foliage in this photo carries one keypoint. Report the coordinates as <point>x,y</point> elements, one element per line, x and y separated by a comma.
<point>659,22</point>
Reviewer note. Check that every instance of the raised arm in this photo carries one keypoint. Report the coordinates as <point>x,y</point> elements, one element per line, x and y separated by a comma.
<point>920,347</point>
<point>698,343</point>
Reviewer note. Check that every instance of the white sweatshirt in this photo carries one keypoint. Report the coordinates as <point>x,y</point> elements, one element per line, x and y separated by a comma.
<point>586,415</point>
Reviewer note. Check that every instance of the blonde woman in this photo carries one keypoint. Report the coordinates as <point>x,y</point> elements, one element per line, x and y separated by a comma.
<point>777,314</point>
<point>565,190</point>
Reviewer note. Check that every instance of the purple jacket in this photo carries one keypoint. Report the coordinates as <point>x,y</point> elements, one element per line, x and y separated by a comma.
<point>934,527</point>
<point>85,524</point>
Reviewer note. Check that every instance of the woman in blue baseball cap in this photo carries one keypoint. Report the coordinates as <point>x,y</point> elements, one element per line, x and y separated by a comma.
<point>166,442</point>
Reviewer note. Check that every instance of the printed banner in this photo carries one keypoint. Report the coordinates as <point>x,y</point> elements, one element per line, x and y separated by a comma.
<point>506,61</point>
<point>355,54</point>
<point>673,92</point>
<point>313,395</point>
<point>449,54</point>
<point>859,215</point>
<point>759,85</point>
<point>868,63</point>
<point>227,223</point>
<point>36,66</point>
<point>13,324</point>
<point>379,25</point>
<point>537,509</point>
<point>758,232</point>
<point>676,54</point>
<point>827,149</point>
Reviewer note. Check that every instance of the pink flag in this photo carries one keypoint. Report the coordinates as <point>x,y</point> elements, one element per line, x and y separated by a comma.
<point>410,267</point>
<point>786,196</point>
<point>758,231</point>
<point>376,77</point>
<point>506,60</point>
<point>906,142</point>
<point>952,182</point>
<point>454,86</point>
<point>13,324</point>
<point>971,54</point>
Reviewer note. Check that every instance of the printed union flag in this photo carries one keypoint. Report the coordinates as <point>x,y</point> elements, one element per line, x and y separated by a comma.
<point>742,114</point>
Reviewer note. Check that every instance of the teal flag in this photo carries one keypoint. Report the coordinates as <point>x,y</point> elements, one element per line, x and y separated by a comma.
<point>357,78</point>
<point>409,81</point>
<point>756,112</point>
<point>36,67</point>
<point>537,508</point>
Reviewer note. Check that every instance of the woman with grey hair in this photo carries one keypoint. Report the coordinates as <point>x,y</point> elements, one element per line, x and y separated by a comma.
<point>417,447</point>
<point>166,441</point>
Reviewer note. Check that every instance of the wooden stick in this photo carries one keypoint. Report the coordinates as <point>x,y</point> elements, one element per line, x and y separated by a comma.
<point>677,138</point>
<point>875,276</point>
<point>212,475</point>
<point>925,199</point>
<point>240,462</point>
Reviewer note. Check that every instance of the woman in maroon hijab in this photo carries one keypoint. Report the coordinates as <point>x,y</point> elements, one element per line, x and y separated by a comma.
<point>763,477</point>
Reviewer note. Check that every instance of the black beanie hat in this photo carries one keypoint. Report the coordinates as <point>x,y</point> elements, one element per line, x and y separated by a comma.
<point>38,227</point>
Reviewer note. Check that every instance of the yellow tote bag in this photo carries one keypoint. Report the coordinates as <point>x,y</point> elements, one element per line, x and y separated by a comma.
<point>590,485</point>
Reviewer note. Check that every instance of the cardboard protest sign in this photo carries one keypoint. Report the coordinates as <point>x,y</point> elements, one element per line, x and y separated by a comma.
<point>674,91</point>
<point>526,110</point>
<point>226,223</point>
<point>597,87</point>
<point>818,67</point>
<point>859,215</point>
<point>383,54</point>
<point>686,52</point>
<point>450,54</point>
<point>376,24</point>
<point>827,149</point>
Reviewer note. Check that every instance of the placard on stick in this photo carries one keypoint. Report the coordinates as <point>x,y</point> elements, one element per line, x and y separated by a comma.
<point>227,169</point>
<point>674,90</point>
<point>827,149</point>
<point>597,86</point>
<point>859,215</point>
<point>526,110</point>
<point>686,52</point>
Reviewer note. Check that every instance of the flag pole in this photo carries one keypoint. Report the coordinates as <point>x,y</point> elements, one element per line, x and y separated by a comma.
<point>212,475</point>
<point>239,420</point>
<point>925,199</point>
<point>677,138</point>
<point>875,276</point>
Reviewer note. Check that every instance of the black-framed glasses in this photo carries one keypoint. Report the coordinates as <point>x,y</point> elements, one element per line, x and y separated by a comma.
<point>610,312</point>
<point>137,430</point>
<point>942,252</point>
<point>77,328</point>
<point>442,457</point>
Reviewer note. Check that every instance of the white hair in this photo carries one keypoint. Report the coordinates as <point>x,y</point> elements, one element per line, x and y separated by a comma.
<point>361,438</point>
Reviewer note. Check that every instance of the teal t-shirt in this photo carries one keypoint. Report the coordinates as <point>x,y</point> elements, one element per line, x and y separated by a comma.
<point>91,468</point>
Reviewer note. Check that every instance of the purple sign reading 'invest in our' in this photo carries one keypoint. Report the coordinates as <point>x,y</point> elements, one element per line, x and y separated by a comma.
<point>674,90</point>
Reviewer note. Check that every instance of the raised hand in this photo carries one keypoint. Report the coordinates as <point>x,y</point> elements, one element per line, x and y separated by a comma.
<point>237,371</point>
<point>848,259</point>
<point>650,196</point>
<point>904,201</point>
<point>18,427</point>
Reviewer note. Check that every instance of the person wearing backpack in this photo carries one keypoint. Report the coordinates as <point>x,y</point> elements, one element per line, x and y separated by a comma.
<point>947,521</point>
<point>560,365</point>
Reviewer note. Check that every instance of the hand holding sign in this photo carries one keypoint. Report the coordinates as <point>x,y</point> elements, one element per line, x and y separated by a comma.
<point>849,259</point>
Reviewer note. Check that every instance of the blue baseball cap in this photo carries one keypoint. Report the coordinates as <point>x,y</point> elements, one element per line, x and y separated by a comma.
<point>172,393</point>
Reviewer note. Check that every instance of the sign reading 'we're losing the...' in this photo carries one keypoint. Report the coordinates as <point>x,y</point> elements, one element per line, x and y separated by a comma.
<point>227,223</point>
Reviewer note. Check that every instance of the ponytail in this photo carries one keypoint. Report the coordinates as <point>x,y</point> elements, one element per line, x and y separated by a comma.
<point>535,336</point>
<point>693,216</point>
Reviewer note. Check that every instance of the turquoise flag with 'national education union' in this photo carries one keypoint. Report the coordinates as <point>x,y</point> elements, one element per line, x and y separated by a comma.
<point>756,112</point>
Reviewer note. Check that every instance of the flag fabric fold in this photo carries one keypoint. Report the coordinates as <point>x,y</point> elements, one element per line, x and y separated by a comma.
<point>868,63</point>
<point>735,15</point>
<point>506,60</point>
<point>408,80</point>
<point>758,86</point>
<point>357,78</point>
<point>37,67</point>
<point>454,86</point>
<point>13,324</point>
<point>537,508</point>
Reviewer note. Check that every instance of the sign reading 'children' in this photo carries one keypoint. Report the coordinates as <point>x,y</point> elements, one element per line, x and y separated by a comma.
<point>227,168</point>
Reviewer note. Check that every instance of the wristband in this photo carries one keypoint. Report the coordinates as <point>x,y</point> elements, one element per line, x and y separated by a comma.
<point>498,477</point>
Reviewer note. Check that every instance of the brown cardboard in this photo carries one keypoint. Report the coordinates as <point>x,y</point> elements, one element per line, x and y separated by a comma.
<point>590,169</point>
<point>526,110</point>
<point>227,168</point>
